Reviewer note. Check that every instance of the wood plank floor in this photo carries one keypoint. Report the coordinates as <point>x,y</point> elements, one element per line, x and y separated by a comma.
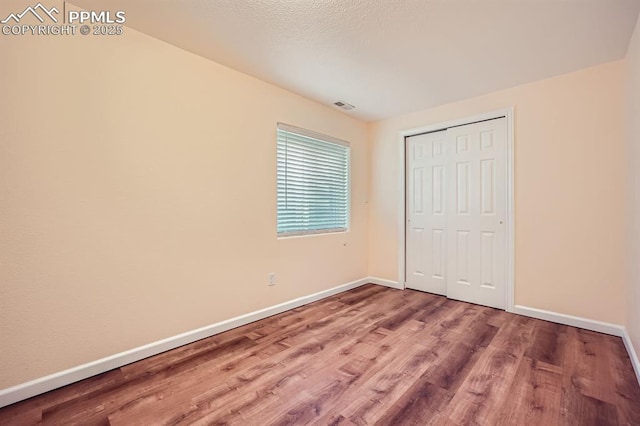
<point>372,355</point>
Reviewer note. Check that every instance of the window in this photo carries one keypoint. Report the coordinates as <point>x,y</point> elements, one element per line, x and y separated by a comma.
<point>313,182</point>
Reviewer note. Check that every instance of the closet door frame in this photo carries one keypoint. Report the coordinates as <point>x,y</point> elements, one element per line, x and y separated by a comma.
<point>508,113</point>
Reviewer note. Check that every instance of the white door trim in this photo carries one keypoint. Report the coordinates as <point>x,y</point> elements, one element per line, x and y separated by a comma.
<point>508,114</point>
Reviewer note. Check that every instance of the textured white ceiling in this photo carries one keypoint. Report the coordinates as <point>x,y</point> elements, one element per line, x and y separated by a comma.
<point>389,57</point>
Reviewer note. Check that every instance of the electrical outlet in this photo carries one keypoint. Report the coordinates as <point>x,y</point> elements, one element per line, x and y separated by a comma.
<point>272,278</point>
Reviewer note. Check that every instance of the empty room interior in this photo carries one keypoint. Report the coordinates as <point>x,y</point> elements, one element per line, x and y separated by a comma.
<point>331,212</point>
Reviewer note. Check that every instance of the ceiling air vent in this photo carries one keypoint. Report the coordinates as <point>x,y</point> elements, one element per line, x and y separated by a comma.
<point>345,106</point>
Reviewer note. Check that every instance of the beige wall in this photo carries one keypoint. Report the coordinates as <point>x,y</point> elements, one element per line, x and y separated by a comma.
<point>633,98</point>
<point>138,199</point>
<point>570,175</point>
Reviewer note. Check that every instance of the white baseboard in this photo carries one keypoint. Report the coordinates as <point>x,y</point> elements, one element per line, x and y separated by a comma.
<point>633,355</point>
<point>587,324</point>
<point>386,283</point>
<point>23,391</point>
<point>26,390</point>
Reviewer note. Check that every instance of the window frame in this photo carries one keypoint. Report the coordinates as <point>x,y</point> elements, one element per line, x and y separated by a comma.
<point>328,139</point>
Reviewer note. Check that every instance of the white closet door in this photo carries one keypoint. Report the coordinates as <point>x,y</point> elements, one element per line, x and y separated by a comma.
<point>477,213</point>
<point>427,159</point>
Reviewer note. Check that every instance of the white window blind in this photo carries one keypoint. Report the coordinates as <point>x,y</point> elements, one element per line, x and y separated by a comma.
<point>313,182</point>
